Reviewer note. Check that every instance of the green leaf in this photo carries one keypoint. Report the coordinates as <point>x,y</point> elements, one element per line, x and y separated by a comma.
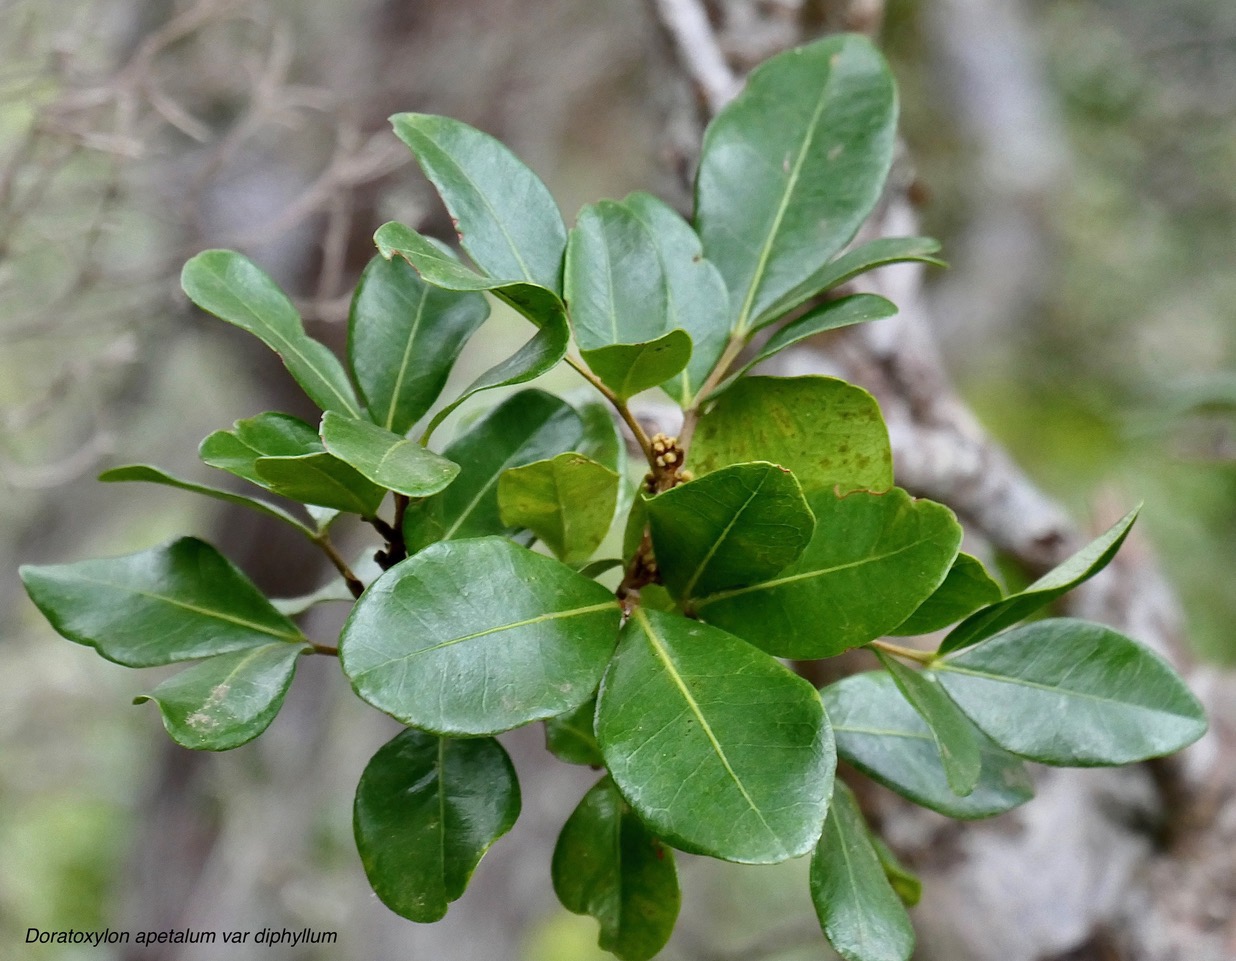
<point>567,501</point>
<point>607,865</point>
<point>604,443</point>
<point>506,218</point>
<point>1068,692</point>
<point>858,309</point>
<point>736,526</point>
<point>320,479</point>
<point>540,305</point>
<point>404,337</point>
<point>618,296</point>
<point>234,289</point>
<point>225,701</point>
<point>153,475</point>
<point>529,426</point>
<point>873,559</point>
<point>882,735</point>
<point>1059,581</point>
<point>828,432</point>
<point>791,167</point>
<point>862,916</point>
<point>721,749</point>
<point>177,602</point>
<point>967,588</point>
<point>478,636</point>
<point>627,369</point>
<point>390,461</point>
<point>614,283</point>
<point>954,735</point>
<point>569,737</point>
<point>696,300</point>
<point>637,521</point>
<point>595,569</point>
<point>907,884</point>
<point>427,809</point>
<point>266,435</point>
<point>868,256</point>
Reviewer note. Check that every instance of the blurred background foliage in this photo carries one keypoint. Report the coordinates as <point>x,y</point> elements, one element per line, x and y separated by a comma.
<point>1074,156</point>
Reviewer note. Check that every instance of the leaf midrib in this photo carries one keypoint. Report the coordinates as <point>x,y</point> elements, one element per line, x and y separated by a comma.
<point>497,629</point>
<point>282,339</point>
<point>672,670</point>
<point>407,355</point>
<point>193,608</point>
<point>806,575</point>
<point>445,156</point>
<point>725,532</point>
<point>791,184</point>
<point>860,914</point>
<point>945,667</point>
<point>472,504</point>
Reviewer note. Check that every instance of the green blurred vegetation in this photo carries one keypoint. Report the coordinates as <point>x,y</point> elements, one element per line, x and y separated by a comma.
<point>1140,307</point>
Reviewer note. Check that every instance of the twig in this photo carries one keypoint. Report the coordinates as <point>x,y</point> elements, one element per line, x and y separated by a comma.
<point>355,584</point>
<point>908,653</point>
<point>687,23</point>
<point>624,411</point>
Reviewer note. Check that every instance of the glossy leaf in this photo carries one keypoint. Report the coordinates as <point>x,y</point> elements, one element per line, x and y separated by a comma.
<point>791,167</point>
<point>404,336</point>
<point>618,296</point>
<point>1068,692</point>
<point>606,864</point>
<point>529,426</point>
<point>233,288</point>
<point>872,560</point>
<point>955,737</point>
<point>539,304</point>
<point>861,914</point>
<point>427,809</point>
<point>177,602</point>
<point>614,282</point>
<point>595,569</point>
<point>779,419</point>
<point>882,735</point>
<point>569,737</point>
<point>506,218</point>
<point>386,459</point>
<point>478,636</point>
<point>627,369</point>
<point>1060,580</point>
<point>227,700</point>
<point>696,297</point>
<point>602,440</point>
<point>967,588</point>
<point>321,479</point>
<point>875,253</point>
<point>266,435</point>
<point>567,501</point>
<point>833,315</point>
<point>736,526</point>
<point>720,748</point>
<point>907,884</point>
<point>153,475</point>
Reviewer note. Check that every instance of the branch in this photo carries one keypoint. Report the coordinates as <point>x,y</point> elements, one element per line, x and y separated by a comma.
<point>686,21</point>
